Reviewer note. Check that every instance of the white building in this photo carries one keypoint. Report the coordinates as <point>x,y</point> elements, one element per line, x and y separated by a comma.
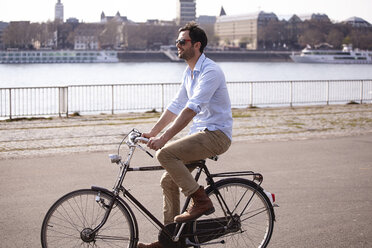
<point>242,30</point>
<point>87,36</point>
<point>186,11</point>
<point>58,11</point>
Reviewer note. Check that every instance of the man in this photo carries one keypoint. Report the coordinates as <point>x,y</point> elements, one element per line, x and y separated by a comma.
<point>203,98</point>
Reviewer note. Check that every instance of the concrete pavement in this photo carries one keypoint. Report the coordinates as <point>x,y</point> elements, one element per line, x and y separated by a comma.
<point>323,187</point>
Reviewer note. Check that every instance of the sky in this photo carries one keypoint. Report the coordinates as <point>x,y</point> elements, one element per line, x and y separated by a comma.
<point>141,10</point>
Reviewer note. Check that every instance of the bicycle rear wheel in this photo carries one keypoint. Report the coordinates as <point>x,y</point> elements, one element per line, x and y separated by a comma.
<point>77,213</point>
<point>253,216</point>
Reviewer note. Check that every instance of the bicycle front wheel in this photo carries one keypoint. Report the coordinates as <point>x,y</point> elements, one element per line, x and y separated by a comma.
<point>250,223</point>
<point>71,219</point>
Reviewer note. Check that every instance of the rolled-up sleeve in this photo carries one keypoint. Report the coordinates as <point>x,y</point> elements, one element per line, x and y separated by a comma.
<point>179,102</point>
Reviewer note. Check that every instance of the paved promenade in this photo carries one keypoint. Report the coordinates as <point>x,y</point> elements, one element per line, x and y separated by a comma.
<point>30,138</point>
<point>317,160</point>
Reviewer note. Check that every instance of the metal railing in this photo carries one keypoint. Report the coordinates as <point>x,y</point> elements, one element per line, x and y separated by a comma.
<point>62,101</point>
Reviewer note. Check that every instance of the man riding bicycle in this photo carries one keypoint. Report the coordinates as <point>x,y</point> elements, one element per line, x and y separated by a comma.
<point>203,97</point>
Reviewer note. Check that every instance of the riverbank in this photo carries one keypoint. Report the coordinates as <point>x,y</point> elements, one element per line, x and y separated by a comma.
<point>219,56</point>
<point>43,137</point>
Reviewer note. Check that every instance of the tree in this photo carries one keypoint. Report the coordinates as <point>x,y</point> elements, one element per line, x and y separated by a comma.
<point>149,36</point>
<point>135,36</point>
<point>112,35</point>
<point>311,37</point>
<point>361,38</point>
<point>16,35</point>
<point>335,38</point>
<point>26,35</point>
<point>273,35</point>
<point>65,39</point>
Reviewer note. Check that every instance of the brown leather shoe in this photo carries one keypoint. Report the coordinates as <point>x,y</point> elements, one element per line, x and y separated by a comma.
<point>152,245</point>
<point>201,204</point>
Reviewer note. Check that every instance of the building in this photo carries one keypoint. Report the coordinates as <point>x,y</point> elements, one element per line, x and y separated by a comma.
<point>295,19</point>
<point>357,22</point>
<point>87,36</point>
<point>186,11</point>
<point>222,12</point>
<point>3,26</point>
<point>116,18</point>
<point>58,11</point>
<point>315,17</point>
<point>204,19</point>
<point>242,30</point>
<point>72,20</point>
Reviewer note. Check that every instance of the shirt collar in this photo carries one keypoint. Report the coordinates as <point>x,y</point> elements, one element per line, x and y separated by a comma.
<point>198,64</point>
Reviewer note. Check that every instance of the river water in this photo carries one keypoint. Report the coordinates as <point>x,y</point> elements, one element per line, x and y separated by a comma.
<point>32,75</point>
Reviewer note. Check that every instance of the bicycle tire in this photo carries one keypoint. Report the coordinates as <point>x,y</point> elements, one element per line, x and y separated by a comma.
<point>78,212</point>
<point>249,204</point>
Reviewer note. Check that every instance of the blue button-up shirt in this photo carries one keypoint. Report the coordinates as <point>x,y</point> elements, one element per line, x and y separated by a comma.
<point>204,91</point>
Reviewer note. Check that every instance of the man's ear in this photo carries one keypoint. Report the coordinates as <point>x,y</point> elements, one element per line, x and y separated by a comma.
<point>197,45</point>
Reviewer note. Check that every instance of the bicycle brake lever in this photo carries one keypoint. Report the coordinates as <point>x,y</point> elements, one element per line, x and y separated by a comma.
<point>143,149</point>
<point>149,154</point>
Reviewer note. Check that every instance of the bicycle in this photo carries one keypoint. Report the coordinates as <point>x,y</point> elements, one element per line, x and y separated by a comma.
<point>97,217</point>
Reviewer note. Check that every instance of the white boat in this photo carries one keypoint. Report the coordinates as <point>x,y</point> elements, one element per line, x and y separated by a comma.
<point>345,56</point>
<point>59,56</point>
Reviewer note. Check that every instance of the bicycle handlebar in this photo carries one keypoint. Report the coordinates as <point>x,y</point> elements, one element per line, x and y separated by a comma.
<point>145,140</point>
<point>135,137</point>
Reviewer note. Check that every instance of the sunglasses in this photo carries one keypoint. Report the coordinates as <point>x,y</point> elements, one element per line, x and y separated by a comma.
<point>182,42</point>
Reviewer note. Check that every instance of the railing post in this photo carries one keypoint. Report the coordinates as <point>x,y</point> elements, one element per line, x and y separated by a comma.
<point>251,94</point>
<point>112,97</point>
<point>66,99</point>
<point>361,92</point>
<point>327,93</point>
<point>10,103</point>
<point>291,94</point>
<point>162,98</point>
<point>62,101</point>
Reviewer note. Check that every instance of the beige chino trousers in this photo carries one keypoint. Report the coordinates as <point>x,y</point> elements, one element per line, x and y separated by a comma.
<point>175,155</point>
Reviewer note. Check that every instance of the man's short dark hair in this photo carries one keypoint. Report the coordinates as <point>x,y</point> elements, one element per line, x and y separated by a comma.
<point>196,33</point>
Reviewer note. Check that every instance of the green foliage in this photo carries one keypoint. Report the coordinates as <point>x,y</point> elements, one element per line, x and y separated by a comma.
<point>297,35</point>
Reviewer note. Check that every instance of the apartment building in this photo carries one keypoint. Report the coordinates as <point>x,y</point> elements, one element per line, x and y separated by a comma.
<point>186,11</point>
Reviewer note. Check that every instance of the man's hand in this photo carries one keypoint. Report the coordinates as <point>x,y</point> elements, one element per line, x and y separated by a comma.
<point>156,143</point>
<point>148,135</point>
<point>178,124</point>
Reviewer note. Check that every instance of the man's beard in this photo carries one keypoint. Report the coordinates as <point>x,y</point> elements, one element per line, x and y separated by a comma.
<point>187,54</point>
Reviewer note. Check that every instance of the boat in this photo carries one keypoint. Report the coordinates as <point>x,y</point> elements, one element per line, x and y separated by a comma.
<point>345,56</point>
<point>57,56</point>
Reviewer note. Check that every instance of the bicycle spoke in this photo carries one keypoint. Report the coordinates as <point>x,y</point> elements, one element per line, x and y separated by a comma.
<point>74,216</point>
<point>250,223</point>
